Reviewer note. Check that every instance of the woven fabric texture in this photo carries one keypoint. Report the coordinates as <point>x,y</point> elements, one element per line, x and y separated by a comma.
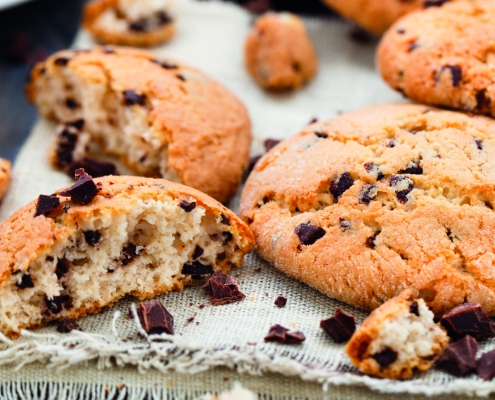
<point>110,360</point>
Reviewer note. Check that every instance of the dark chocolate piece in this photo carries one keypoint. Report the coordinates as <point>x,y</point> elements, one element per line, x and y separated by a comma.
<point>279,334</point>
<point>55,305</point>
<point>341,184</point>
<point>468,319</point>
<point>483,102</point>
<point>128,254</point>
<point>370,242</point>
<point>308,233</point>
<point>62,268</point>
<point>165,64</point>
<point>434,3</point>
<point>197,269</point>
<point>340,327</point>
<point>280,301</point>
<point>485,366</point>
<point>83,191</point>
<point>367,194</point>
<point>225,220</point>
<point>71,104</point>
<point>198,252</point>
<point>223,289</point>
<point>270,144</point>
<point>252,163</point>
<point>371,167</point>
<point>155,318</point>
<point>26,282</point>
<point>455,72</point>
<point>77,124</point>
<point>479,144</point>
<point>402,186</point>
<point>61,61</point>
<point>66,325</point>
<point>345,224</point>
<point>92,237</point>
<point>187,206</point>
<point>93,167</point>
<point>459,358</point>
<point>321,135</point>
<point>163,18</point>
<point>227,237</point>
<point>385,357</point>
<point>413,168</point>
<point>141,25</point>
<point>46,204</point>
<point>132,98</point>
<point>414,308</point>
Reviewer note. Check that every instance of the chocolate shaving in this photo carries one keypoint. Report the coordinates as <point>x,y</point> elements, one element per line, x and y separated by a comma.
<point>26,282</point>
<point>83,191</point>
<point>321,135</point>
<point>468,319</point>
<point>46,204</point>
<point>459,358</point>
<point>279,334</point>
<point>280,301</point>
<point>197,269</point>
<point>66,325</point>
<point>187,206</point>
<point>155,318</point>
<point>340,327</point>
<point>92,237</point>
<point>223,289</point>
<point>55,305</point>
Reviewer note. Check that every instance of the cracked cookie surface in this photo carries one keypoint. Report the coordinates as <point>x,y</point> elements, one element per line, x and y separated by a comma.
<point>379,200</point>
<point>443,56</point>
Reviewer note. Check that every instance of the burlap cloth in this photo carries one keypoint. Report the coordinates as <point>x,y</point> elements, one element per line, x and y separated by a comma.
<point>208,353</point>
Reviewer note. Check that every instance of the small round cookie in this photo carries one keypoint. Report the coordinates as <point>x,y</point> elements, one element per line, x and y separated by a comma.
<point>72,253</point>
<point>377,15</point>
<point>379,200</point>
<point>441,56</point>
<point>5,169</point>
<point>130,22</point>
<point>397,338</point>
<point>279,54</point>
<point>162,118</point>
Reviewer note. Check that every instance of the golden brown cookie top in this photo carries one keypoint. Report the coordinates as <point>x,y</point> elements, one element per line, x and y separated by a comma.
<point>378,200</point>
<point>25,237</point>
<point>206,130</point>
<point>442,56</point>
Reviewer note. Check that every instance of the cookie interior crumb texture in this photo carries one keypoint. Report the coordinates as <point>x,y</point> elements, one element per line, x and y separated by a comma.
<point>397,338</point>
<point>139,236</point>
<point>391,197</point>
<point>279,53</point>
<point>5,170</point>
<point>161,118</point>
<point>131,22</point>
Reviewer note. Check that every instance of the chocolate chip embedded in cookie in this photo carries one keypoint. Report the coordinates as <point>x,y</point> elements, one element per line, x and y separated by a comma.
<point>130,22</point>
<point>437,56</point>
<point>5,168</point>
<point>161,118</point>
<point>361,220</point>
<point>279,54</point>
<point>132,238</point>
<point>397,338</point>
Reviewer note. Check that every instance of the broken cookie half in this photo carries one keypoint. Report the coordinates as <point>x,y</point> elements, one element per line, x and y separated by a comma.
<point>84,247</point>
<point>397,338</point>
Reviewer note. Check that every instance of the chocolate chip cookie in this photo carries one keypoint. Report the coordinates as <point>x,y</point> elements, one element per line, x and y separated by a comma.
<point>71,253</point>
<point>130,22</point>
<point>160,117</point>
<point>5,168</point>
<point>378,200</point>
<point>279,53</point>
<point>443,56</point>
<point>397,338</point>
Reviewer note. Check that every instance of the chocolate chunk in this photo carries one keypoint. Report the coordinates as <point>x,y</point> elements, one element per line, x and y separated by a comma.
<point>61,61</point>
<point>341,184</point>
<point>414,308</point>
<point>224,220</point>
<point>163,18</point>
<point>391,143</point>
<point>155,318</point>
<point>66,325</point>
<point>181,77</point>
<point>309,233</point>
<point>252,163</point>
<point>141,25</point>
<point>385,357</point>
<point>340,327</point>
<point>128,254</point>
<point>401,31</point>
<point>485,366</point>
<point>26,282</point>
<point>367,194</point>
<point>412,168</point>
<point>455,72</point>
<point>458,358</point>
<point>187,205</point>
<point>62,268</point>
<point>46,204</point>
<point>402,186</point>
<point>372,168</point>
<point>270,144</point>
<point>132,98</point>
<point>280,301</point>
<point>77,124</point>
<point>223,289</point>
<point>483,103</point>
<point>71,104</point>
<point>345,224</point>
<point>412,46</point>
<point>434,3</point>
<point>468,319</point>
<point>198,252</point>
<point>227,237</point>
<point>93,167</point>
<point>108,50</point>
<point>83,191</point>
<point>279,334</point>
<point>322,135</point>
<point>55,305</point>
<point>479,144</point>
<point>165,64</point>
<point>65,146</point>
<point>370,242</point>
<point>197,270</point>
<point>92,237</point>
